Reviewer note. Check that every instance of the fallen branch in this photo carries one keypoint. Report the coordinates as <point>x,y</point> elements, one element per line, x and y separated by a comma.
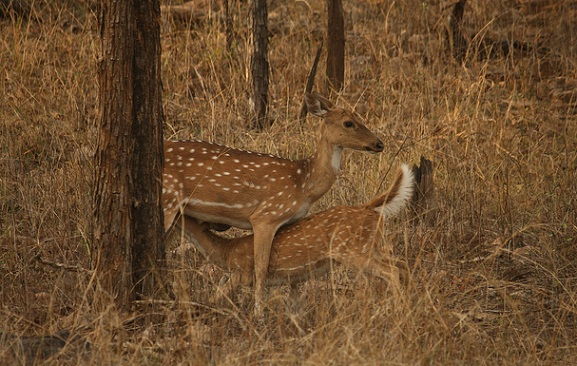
<point>424,181</point>
<point>310,82</point>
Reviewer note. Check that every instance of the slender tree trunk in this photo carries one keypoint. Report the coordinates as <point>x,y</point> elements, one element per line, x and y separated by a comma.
<point>259,62</point>
<point>455,39</point>
<point>129,250</point>
<point>228,26</point>
<point>336,44</point>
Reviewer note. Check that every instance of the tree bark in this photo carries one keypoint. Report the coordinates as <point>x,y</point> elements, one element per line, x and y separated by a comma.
<point>127,234</point>
<point>228,26</point>
<point>259,62</point>
<point>336,44</point>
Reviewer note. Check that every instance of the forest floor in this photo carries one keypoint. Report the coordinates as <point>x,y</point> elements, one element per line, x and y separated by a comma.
<point>492,265</point>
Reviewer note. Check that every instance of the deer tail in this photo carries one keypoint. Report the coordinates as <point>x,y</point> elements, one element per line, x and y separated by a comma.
<point>398,195</point>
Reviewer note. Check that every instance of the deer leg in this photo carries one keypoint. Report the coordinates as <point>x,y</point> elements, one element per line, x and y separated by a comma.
<point>379,267</point>
<point>226,290</point>
<point>169,215</point>
<point>389,271</point>
<point>263,236</point>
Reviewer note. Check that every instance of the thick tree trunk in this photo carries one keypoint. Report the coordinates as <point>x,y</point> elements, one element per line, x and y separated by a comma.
<point>336,44</point>
<point>149,250</point>
<point>259,62</point>
<point>129,251</point>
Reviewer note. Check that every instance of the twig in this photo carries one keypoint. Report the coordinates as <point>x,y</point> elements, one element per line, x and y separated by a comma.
<point>390,166</point>
<point>57,265</point>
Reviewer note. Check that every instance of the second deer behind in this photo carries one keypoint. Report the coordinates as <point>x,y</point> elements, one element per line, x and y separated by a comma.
<point>351,235</point>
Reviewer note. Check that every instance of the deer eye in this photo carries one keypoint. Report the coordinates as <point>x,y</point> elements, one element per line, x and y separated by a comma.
<point>348,124</point>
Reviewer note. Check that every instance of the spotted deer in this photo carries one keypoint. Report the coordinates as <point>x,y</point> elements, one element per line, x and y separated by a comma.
<point>219,184</point>
<point>351,235</point>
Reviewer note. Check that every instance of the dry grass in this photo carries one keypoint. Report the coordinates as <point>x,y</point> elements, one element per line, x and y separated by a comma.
<point>492,267</point>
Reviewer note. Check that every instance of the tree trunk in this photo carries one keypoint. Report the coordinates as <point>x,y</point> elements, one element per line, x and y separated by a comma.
<point>129,251</point>
<point>228,26</point>
<point>259,62</point>
<point>455,39</point>
<point>336,44</point>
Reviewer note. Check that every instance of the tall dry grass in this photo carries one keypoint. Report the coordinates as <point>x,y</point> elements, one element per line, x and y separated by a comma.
<point>492,267</point>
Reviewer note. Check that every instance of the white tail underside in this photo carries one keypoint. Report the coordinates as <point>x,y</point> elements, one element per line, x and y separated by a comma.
<point>402,195</point>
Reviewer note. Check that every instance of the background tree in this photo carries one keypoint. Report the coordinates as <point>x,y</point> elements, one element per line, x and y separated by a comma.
<point>259,62</point>
<point>228,26</point>
<point>129,250</point>
<point>336,44</point>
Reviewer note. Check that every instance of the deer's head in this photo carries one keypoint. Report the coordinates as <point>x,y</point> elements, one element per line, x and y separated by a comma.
<point>342,127</point>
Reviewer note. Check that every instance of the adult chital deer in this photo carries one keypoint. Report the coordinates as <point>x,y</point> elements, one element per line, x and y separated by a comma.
<point>219,184</point>
<point>351,235</point>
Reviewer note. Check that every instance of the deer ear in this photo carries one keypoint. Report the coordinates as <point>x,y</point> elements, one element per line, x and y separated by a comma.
<point>317,104</point>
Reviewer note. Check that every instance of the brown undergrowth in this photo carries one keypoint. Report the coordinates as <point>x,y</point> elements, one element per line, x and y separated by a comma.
<point>492,264</point>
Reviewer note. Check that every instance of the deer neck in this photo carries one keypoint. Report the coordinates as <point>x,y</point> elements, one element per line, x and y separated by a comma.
<point>215,248</point>
<point>322,169</point>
